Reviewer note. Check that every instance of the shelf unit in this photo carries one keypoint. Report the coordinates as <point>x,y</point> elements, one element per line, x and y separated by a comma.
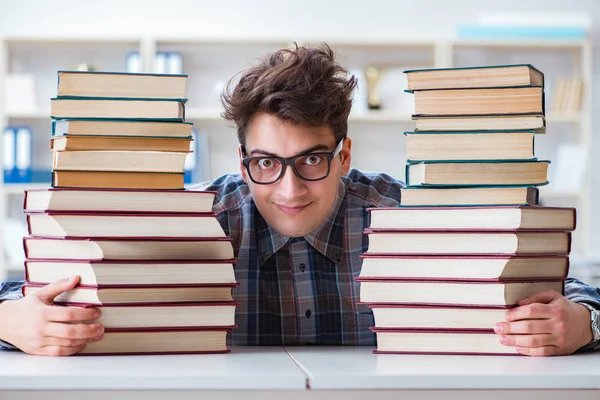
<point>377,134</point>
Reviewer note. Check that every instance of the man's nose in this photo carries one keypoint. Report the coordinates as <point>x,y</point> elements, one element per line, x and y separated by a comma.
<point>291,185</point>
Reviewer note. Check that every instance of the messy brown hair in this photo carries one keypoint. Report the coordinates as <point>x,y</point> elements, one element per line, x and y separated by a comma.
<point>304,86</point>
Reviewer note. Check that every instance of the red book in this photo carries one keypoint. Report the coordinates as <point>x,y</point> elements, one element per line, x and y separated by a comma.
<point>464,267</point>
<point>166,341</point>
<point>102,248</point>
<point>438,318</point>
<point>68,224</point>
<point>103,295</point>
<point>496,218</point>
<point>117,200</point>
<point>160,316</point>
<point>414,341</point>
<point>450,242</point>
<point>467,293</point>
<point>131,272</point>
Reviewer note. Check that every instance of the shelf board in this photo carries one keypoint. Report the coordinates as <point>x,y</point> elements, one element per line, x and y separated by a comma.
<point>37,40</point>
<point>247,41</point>
<point>200,113</point>
<point>381,116</point>
<point>363,116</point>
<point>18,188</point>
<point>37,114</point>
<point>522,43</point>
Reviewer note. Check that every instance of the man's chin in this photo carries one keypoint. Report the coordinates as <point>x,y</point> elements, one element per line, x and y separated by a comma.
<point>293,230</point>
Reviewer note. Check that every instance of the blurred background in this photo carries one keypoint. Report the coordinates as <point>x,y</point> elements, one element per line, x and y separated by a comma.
<point>213,40</point>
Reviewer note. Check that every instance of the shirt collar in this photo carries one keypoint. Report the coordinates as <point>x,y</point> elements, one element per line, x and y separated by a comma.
<point>327,239</point>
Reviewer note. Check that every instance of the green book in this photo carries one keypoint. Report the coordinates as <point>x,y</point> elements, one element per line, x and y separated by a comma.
<point>490,76</point>
<point>466,173</point>
<point>420,196</point>
<point>123,127</point>
<point>107,108</point>
<point>473,145</point>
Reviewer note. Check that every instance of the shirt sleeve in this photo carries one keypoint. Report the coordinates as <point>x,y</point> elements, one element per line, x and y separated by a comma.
<point>10,290</point>
<point>579,292</point>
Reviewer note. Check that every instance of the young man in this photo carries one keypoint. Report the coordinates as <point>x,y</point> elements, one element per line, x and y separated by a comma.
<point>296,215</point>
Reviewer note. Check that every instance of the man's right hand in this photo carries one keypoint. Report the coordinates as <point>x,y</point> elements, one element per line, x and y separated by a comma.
<point>37,326</point>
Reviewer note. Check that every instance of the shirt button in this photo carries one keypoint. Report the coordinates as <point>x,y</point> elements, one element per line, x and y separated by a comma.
<point>302,267</point>
<point>308,313</point>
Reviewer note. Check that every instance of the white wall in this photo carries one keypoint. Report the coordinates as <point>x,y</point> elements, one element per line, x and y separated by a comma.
<point>303,19</point>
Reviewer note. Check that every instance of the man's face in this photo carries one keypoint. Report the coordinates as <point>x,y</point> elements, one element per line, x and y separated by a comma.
<point>293,206</point>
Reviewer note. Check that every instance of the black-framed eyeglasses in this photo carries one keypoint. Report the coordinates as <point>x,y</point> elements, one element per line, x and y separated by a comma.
<point>265,170</point>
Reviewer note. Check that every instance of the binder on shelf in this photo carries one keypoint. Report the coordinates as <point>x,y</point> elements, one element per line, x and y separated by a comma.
<point>168,63</point>
<point>8,157</point>
<point>164,62</point>
<point>133,62</point>
<point>23,156</point>
<point>16,160</point>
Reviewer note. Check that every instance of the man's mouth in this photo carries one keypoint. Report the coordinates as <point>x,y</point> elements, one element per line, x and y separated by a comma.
<point>291,209</point>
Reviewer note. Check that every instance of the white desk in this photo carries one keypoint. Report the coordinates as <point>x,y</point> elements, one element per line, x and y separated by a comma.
<point>342,371</point>
<point>267,369</point>
<point>299,373</point>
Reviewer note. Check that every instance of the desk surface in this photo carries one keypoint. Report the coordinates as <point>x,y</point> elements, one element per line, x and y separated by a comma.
<point>275,368</point>
<point>358,368</point>
<point>265,368</point>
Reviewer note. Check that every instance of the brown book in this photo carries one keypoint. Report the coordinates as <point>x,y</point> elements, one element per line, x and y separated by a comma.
<point>120,143</point>
<point>473,218</point>
<point>119,161</point>
<point>523,100</point>
<point>121,108</point>
<point>458,267</point>
<point>132,272</point>
<point>121,84</point>
<point>474,77</point>
<point>94,127</point>
<point>78,224</point>
<point>469,196</point>
<point>164,315</point>
<point>465,293</point>
<point>477,173</point>
<point>113,200</point>
<point>117,180</point>
<point>461,242</point>
<point>535,122</point>
<point>440,146</point>
<point>411,316</point>
<point>128,248</point>
<point>139,294</point>
<point>414,341</point>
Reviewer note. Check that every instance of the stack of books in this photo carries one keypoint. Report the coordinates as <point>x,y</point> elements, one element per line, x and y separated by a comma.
<point>151,255</point>
<point>468,240</point>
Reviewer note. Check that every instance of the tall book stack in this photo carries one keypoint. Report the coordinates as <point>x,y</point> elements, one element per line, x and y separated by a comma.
<point>151,255</point>
<point>468,239</point>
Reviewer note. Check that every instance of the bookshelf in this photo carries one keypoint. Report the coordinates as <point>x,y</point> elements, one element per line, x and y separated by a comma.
<point>377,134</point>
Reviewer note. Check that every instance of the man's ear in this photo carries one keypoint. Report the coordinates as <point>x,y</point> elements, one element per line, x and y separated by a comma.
<point>346,154</point>
<point>242,167</point>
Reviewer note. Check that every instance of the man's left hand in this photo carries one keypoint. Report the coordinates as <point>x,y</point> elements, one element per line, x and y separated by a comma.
<point>546,324</point>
